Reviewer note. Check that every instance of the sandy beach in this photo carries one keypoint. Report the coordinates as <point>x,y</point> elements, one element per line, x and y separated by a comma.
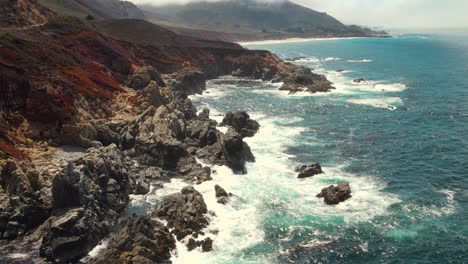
<point>290,40</point>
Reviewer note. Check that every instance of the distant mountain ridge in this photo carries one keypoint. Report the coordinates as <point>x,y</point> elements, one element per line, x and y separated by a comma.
<point>265,19</point>
<point>96,9</point>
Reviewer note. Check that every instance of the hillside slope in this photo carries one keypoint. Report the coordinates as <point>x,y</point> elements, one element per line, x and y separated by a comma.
<point>264,19</point>
<point>96,9</point>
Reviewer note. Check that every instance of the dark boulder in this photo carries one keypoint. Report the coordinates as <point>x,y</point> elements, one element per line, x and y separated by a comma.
<point>222,195</point>
<point>229,150</point>
<point>185,212</point>
<point>242,123</point>
<point>306,171</point>
<point>360,80</point>
<point>236,151</point>
<point>141,240</point>
<point>336,194</point>
<point>206,244</point>
<point>299,79</point>
<point>188,82</point>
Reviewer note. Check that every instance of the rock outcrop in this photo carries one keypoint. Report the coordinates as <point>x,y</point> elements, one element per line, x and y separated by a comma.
<point>300,79</point>
<point>141,240</point>
<point>87,196</point>
<point>228,150</point>
<point>306,171</point>
<point>221,195</point>
<point>186,215</point>
<point>360,80</point>
<point>336,194</point>
<point>24,202</point>
<point>242,123</point>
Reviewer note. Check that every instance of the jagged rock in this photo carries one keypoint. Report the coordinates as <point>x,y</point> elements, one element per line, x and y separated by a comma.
<point>188,82</point>
<point>306,171</point>
<point>236,151</point>
<point>97,186</point>
<point>143,77</point>
<point>23,202</point>
<point>221,195</point>
<point>158,134</point>
<point>203,132</point>
<point>336,194</point>
<point>142,188</point>
<point>185,212</point>
<point>193,171</point>
<point>360,80</point>
<point>205,114</point>
<point>298,79</point>
<point>141,240</point>
<point>206,244</point>
<point>242,123</point>
<point>229,150</point>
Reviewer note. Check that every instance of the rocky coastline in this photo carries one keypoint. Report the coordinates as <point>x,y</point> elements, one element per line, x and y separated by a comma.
<point>125,108</point>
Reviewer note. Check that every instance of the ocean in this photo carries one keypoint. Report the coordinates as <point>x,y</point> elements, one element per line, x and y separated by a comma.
<point>400,139</point>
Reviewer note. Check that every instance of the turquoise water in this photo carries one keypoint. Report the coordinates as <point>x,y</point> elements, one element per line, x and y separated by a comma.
<point>400,139</point>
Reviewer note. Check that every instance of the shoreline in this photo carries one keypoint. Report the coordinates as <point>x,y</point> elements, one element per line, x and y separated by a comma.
<point>291,40</point>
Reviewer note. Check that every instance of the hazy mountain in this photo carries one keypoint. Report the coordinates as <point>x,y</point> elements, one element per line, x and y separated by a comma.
<point>95,9</point>
<point>261,17</point>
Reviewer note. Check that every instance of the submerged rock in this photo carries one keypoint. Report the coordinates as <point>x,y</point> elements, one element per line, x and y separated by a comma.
<point>141,240</point>
<point>360,80</point>
<point>306,171</point>
<point>295,58</point>
<point>336,194</point>
<point>242,123</point>
<point>300,253</point>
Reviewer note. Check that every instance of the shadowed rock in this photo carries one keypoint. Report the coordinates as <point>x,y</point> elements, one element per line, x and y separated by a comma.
<point>185,212</point>
<point>97,188</point>
<point>222,195</point>
<point>306,171</point>
<point>141,240</point>
<point>242,123</point>
<point>336,194</point>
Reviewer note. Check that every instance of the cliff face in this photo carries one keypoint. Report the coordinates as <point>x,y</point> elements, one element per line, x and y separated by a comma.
<point>121,96</point>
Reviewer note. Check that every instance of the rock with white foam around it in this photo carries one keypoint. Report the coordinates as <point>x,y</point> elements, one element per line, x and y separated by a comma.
<point>306,171</point>
<point>221,195</point>
<point>336,194</point>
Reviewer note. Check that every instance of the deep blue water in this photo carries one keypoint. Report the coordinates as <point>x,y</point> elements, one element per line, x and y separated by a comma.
<point>400,139</point>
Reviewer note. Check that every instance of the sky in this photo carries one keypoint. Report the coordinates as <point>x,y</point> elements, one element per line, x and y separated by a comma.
<point>383,13</point>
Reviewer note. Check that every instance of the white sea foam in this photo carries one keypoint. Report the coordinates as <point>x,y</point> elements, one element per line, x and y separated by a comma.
<point>317,59</point>
<point>18,256</point>
<point>390,103</point>
<point>97,249</point>
<point>271,179</point>
<point>360,61</point>
<point>291,40</point>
